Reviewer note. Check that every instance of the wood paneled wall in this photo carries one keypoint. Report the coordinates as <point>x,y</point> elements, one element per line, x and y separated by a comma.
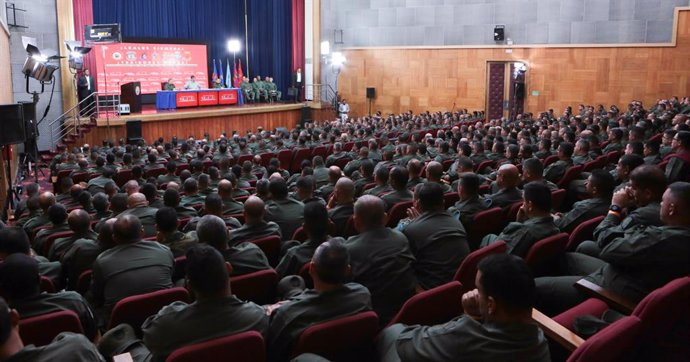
<point>435,79</point>
<point>196,127</point>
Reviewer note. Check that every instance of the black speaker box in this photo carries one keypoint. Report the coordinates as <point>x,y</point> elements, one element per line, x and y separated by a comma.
<point>29,119</point>
<point>133,131</point>
<point>306,115</point>
<point>371,92</point>
<point>499,33</point>
<point>12,124</point>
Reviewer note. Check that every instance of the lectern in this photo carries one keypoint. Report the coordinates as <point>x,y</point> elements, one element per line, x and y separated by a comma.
<point>130,93</point>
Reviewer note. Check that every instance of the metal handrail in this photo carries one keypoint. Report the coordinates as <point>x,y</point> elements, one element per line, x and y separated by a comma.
<point>60,128</point>
<point>323,92</point>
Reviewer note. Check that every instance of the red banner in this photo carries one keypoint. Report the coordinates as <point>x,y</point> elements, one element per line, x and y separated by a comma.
<point>228,96</point>
<point>150,64</point>
<point>187,99</point>
<point>208,98</point>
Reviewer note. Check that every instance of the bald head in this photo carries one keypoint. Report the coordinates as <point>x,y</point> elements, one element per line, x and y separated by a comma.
<point>253,209</point>
<point>334,173</point>
<point>434,171</point>
<point>225,189</point>
<point>105,233</point>
<point>345,189</point>
<point>136,200</point>
<point>369,212</point>
<point>46,200</point>
<point>508,176</point>
<point>127,229</point>
<point>79,220</point>
<point>131,187</point>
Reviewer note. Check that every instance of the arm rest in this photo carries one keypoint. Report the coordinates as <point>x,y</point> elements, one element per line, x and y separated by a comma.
<point>612,299</point>
<point>563,336</point>
<point>125,357</point>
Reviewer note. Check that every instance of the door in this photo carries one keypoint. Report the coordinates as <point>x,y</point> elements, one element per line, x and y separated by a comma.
<point>505,89</point>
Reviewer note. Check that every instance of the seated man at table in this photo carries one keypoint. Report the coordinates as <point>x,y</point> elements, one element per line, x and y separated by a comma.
<point>192,84</point>
<point>169,85</point>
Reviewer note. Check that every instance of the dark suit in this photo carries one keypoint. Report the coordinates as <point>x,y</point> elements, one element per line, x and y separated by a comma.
<point>298,84</point>
<point>85,88</point>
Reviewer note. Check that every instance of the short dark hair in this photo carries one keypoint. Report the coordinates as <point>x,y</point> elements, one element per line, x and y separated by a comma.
<point>171,198</point>
<point>631,161</point>
<point>680,191</point>
<point>57,214</point>
<point>206,270</point>
<point>382,174</point>
<point>637,147</point>
<point>149,191</point>
<point>166,219</point>
<point>534,165</point>
<point>278,188</point>
<point>127,231</point>
<point>213,203</point>
<point>5,323</point>
<point>684,138</point>
<point>212,230</point>
<point>603,181</point>
<point>567,149</point>
<point>399,176</point>
<point>539,194</point>
<point>430,196</point>
<point>649,177</point>
<point>305,183</point>
<point>14,240</point>
<point>316,219</point>
<point>331,260</point>
<point>470,183</point>
<point>508,279</point>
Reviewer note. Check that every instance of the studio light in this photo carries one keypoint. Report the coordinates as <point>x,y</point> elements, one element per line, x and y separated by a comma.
<point>76,54</point>
<point>36,64</point>
<point>234,45</point>
<point>325,48</point>
<point>337,59</point>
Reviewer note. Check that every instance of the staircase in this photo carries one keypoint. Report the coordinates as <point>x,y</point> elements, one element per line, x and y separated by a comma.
<point>70,127</point>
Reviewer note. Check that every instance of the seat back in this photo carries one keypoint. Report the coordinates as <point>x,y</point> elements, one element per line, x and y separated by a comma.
<point>285,158</point>
<point>557,198</point>
<point>582,232</point>
<point>181,167</point>
<point>51,239</point>
<point>343,339</point>
<point>510,212</point>
<point>450,199</point>
<point>612,157</point>
<point>258,287</point>
<point>266,158</point>
<point>544,253</point>
<point>270,245</point>
<point>319,151</point>
<point>397,213</point>
<point>155,172</point>
<point>135,309</point>
<point>664,308</point>
<point>300,155</point>
<point>434,306</point>
<point>611,343</point>
<point>242,347</point>
<point>484,164</point>
<point>468,268</point>
<point>549,160</point>
<point>47,285</point>
<point>40,330</point>
<point>300,234</point>
<point>350,229</point>
<point>84,282</point>
<point>447,163</point>
<point>122,177</point>
<point>484,223</point>
<point>570,174</point>
<point>341,162</point>
<point>242,158</point>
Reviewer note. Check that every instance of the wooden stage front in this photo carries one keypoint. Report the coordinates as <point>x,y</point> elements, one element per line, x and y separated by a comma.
<point>196,122</point>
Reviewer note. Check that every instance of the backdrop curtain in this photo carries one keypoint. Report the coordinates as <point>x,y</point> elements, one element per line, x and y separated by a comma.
<point>212,22</point>
<point>298,35</point>
<point>83,15</point>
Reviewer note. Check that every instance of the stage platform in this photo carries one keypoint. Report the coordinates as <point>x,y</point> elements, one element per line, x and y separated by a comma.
<point>196,122</point>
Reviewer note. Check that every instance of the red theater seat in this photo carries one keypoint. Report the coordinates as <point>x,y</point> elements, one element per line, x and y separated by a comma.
<point>242,347</point>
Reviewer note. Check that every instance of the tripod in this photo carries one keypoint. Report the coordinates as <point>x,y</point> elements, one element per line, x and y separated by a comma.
<point>12,193</point>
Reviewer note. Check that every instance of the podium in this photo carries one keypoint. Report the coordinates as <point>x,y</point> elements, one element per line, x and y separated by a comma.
<point>130,93</point>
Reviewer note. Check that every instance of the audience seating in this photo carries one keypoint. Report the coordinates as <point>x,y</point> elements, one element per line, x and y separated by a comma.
<point>155,172</point>
<point>135,309</point>
<point>259,287</point>
<point>266,158</point>
<point>616,342</point>
<point>433,306</point>
<point>612,157</point>
<point>285,158</point>
<point>543,254</point>
<point>484,223</point>
<point>450,199</point>
<point>180,268</point>
<point>511,212</point>
<point>123,176</point>
<point>570,174</point>
<point>484,164</point>
<point>51,239</point>
<point>397,213</point>
<point>299,156</point>
<point>319,151</point>
<point>181,167</point>
<point>341,162</point>
<point>242,347</point>
<point>84,282</point>
<point>42,329</point>
<point>557,198</point>
<point>350,229</point>
<point>467,271</point>
<point>270,245</point>
<point>47,285</point>
<point>582,232</point>
<point>344,339</point>
<point>549,160</point>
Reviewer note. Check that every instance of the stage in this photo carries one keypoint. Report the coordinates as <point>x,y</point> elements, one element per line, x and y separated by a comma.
<point>185,122</point>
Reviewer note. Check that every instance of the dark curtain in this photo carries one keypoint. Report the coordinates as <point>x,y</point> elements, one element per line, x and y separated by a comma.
<point>212,22</point>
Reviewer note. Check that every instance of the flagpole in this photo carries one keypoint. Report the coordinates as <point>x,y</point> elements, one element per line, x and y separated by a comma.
<point>246,39</point>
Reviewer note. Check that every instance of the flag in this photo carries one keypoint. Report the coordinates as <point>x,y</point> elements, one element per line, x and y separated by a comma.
<point>238,73</point>
<point>228,77</point>
<point>220,72</point>
<point>215,72</point>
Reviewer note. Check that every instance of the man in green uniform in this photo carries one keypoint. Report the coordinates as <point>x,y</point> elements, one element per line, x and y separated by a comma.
<point>470,202</point>
<point>272,89</point>
<point>316,227</point>
<point>230,206</point>
<point>534,222</point>
<point>80,223</point>
<point>168,235</point>
<point>138,206</point>
<point>247,90</point>
<point>341,204</point>
<point>507,180</point>
<point>599,187</point>
<point>496,325</point>
<point>398,180</point>
<point>382,186</point>
<point>284,210</point>
<point>255,226</point>
<point>437,239</point>
<point>555,171</point>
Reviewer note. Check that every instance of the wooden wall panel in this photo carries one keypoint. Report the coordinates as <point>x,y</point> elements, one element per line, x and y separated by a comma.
<point>432,79</point>
<point>196,127</point>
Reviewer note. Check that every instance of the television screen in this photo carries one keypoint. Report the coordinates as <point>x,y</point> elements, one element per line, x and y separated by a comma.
<point>150,64</point>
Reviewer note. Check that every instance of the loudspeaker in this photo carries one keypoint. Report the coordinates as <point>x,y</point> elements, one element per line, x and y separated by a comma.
<point>519,90</point>
<point>29,119</point>
<point>306,115</point>
<point>499,33</point>
<point>133,131</point>
<point>12,124</point>
<point>371,92</point>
